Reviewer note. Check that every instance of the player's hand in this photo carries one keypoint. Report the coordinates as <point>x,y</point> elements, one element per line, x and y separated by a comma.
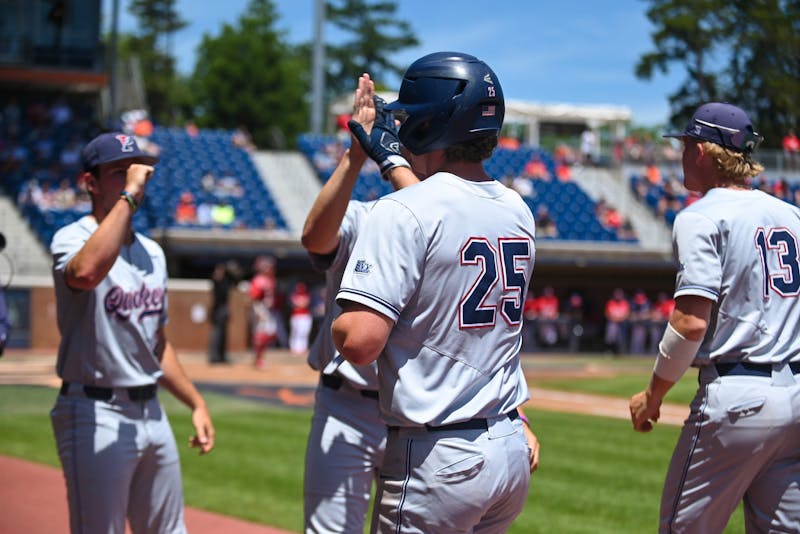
<point>533,445</point>
<point>381,143</point>
<point>645,410</point>
<point>204,431</point>
<point>363,111</point>
<point>136,178</point>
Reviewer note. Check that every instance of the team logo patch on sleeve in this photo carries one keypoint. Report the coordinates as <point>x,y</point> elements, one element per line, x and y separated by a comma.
<point>362,267</point>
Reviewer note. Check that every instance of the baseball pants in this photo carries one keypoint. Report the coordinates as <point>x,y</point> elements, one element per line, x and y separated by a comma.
<point>450,481</point>
<point>119,460</point>
<point>741,441</point>
<point>345,449</point>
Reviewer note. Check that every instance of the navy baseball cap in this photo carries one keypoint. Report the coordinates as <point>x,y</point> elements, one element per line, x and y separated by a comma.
<point>114,146</point>
<point>722,124</point>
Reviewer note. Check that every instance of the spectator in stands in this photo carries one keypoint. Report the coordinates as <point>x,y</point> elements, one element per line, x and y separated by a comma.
<point>186,210</point>
<point>64,196</point>
<point>223,214</point>
<point>60,113</point>
<point>30,194</point>
<point>224,278</point>
<point>524,186</point>
<point>204,214</point>
<point>228,185</point>
<point>508,142</point>
<point>639,321</point>
<point>191,129</point>
<point>208,182</point>
<point>563,172</point>
<point>536,169</point>
<point>617,312</point>
<point>564,154</point>
<point>545,225</point>
<point>626,232</point>
<point>791,150</point>
<point>241,139</point>
<point>653,173</point>
<point>608,216</point>
<point>659,316</point>
<point>70,155</point>
<point>83,202</point>
<point>264,315</point>
<point>300,319</point>
<point>588,146</point>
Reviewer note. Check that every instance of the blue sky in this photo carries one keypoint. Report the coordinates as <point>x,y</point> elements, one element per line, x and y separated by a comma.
<point>563,51</point>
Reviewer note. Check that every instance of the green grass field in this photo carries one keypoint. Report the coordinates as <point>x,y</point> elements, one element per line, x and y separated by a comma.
<point>596,476</point>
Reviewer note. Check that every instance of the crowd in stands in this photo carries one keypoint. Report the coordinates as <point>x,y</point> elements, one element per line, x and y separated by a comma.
<point>41,138</point>
<point>666,195</point>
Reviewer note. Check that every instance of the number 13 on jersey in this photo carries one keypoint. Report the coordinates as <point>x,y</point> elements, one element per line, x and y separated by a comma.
<point>506,260</point>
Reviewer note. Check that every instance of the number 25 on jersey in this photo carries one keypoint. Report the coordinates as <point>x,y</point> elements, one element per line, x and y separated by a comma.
<point>505,260</point>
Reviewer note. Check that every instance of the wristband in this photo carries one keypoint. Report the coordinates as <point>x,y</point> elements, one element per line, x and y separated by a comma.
<point>132,201</point>
<point>675,354</point>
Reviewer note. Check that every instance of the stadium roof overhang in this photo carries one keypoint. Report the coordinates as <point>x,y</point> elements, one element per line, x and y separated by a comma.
<point>219,243</point>
<point>532,114</point>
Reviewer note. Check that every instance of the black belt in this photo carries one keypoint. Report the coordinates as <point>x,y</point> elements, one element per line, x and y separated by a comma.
<point>137,393</point>
<point>751,369</point>
<point>472,424</point>
<point>336,382</point>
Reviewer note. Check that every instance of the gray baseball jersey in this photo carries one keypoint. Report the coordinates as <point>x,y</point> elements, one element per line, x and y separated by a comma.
<point>108,335</point>
<point>347,437</point>
<point>739,248</point>
<point>118,453</point>
<point>449,261</point>
<point>323,355</point>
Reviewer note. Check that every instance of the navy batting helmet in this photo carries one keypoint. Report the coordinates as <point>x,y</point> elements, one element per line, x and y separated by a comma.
<point>447,98</point>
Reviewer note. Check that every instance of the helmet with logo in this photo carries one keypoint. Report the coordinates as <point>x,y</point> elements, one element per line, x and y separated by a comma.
<point>447,98</point>
<point>723,124</point>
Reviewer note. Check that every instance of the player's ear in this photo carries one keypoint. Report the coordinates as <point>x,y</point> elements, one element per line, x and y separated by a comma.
<point>87,181</point>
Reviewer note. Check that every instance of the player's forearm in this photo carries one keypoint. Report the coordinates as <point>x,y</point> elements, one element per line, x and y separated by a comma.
<point>321,229</point>
<point>93,262</point>
<point>401,177</point>
<point>177,382</point>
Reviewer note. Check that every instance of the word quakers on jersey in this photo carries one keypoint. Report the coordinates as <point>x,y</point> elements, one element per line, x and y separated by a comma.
<point>140,303</point>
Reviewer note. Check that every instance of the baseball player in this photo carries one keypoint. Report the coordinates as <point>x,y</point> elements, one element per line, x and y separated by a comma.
<point>347,437</point>
<point>736,317</point>
<point>433,291</point>
<point>115,443</point>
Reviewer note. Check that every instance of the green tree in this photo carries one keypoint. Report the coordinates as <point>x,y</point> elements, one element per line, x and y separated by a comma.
<point>248,76</point>
<point>686,32</point>
<point>765,69</point>
<point>158,20</point>
<point>741,51</point>
<point>375,33</point>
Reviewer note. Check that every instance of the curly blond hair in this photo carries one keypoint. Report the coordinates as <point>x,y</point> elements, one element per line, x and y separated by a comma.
<point>733,166</point>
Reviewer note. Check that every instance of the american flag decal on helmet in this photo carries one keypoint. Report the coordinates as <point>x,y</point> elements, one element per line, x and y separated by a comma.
<point>488,111</point>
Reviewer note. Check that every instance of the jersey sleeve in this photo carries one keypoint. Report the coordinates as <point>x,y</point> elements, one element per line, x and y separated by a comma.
<point>348,231</point>
<point>65,245</point>
<point>387,260</point>
<point>696,240</point>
